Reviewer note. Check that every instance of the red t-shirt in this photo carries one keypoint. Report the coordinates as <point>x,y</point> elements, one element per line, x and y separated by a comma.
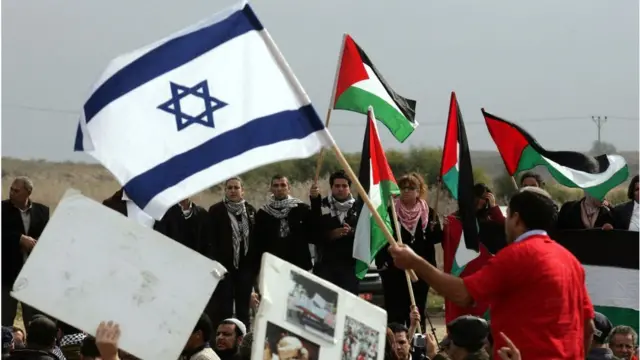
<point>538,298</point>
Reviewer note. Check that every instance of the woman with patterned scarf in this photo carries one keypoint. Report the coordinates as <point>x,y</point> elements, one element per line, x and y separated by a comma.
<point>231,244</point>
<point>334,220</point>
<point>282,226</point>
<point>420,229</point>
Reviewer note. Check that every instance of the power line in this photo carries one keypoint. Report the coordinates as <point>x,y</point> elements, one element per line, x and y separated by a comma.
<point>431,123</point>
<point>599,121</point>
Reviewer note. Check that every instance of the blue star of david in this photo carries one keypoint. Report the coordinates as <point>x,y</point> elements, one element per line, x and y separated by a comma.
<point>201,90</point>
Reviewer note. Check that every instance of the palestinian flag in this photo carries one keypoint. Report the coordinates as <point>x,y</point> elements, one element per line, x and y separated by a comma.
<point>610,261</point>
<point>454,254</point>
<point>521,152</point>
<point>457,173</point>
<point>360,85</point>
<point>378,181</point>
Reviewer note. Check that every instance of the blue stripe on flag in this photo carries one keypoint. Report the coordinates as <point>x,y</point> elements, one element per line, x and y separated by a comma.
<point>78,146</point>
<point>268,130</point>
<point>168,56</point>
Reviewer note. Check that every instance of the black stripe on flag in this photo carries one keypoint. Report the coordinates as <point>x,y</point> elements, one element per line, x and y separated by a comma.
<point>611,248</point>
<point>466,203</point>
<point>570,159</point>
<point>407,106</point>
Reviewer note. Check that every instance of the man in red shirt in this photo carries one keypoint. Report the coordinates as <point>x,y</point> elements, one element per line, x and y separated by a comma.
<point>535,287</point>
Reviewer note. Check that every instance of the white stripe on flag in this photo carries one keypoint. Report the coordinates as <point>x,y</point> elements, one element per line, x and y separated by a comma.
<point>586,180</point>
<point>610,286</point>
<point>260,112</point>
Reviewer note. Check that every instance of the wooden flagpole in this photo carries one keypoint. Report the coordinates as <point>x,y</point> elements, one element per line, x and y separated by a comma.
<point>406,272</point>
<point>330,109</point>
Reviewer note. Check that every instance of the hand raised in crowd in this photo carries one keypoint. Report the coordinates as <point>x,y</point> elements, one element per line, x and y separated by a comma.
<point>107,337</point>
<point>403,256</point>
<point>414,316</point>
<point>509,352</point>
<point>431,345</point>
<point>315,191</point>
<point>27,242</point>
<point>491,199</point>
<point>255,301</point>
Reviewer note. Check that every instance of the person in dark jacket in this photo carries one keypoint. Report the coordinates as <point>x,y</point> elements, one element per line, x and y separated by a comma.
<point>22,224</point>
<point>586,213</point>
<point>186,223</point>
<point>490,219</point>
<point>627,214</point>
<point>231,244</point>
<point>282,226</point>
<point>41,341</point>
<point>334,220</point>
<point>420,229</point>
<point>599,349</point>
<point>121,203</point>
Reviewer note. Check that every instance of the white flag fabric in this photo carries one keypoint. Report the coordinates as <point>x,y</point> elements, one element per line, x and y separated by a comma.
<point>210,102</point>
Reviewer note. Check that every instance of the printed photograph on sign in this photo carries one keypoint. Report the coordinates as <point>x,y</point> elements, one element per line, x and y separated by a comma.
<point>282,344</point>
<point>360,342</point>
<point>312,306</point>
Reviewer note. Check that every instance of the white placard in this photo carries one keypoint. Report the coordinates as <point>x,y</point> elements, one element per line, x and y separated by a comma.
<point>91,264</point>
<point>299,312</point>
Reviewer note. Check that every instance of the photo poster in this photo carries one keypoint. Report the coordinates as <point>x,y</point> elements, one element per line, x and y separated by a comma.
<point>302,316</point>
<point>93,264</point>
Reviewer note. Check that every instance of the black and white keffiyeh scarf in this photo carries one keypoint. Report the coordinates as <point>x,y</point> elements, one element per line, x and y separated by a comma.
<point>340,209</point>
<point>279,209</point>
<point>240,229</point>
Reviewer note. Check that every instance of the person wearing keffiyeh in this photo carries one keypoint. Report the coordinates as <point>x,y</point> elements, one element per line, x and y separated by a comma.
<point>282,226</point>
<point>419,229</point>
<point>231,244</point>
<point>334,220</point>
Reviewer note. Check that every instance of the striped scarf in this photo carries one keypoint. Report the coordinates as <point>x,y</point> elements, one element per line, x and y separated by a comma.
<point>240,229</point>
<point>279,209</point>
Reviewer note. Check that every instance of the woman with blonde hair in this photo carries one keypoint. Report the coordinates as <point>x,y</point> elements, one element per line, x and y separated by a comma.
<point>420,229</point>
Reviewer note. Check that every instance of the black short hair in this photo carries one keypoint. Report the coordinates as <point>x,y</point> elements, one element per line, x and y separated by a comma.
<point>89,348</point>
<point>41,332</point>
<point>277,177</point>
<point>340,174</point>
<point>204,324</point>
<point>632,187</point>
<point>68,329</point>
<point>531,174</point>
<point>235,327</point>
<point>536,209</point>
<point>398,328</point>
<point>479,189</point>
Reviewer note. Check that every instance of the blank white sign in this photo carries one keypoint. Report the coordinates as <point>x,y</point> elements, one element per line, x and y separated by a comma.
<point>92,264</point>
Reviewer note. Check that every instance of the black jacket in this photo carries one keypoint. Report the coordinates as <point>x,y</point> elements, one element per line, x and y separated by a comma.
<point>570,216</point>
<point>422,242</point>
<point>622,215</point>
<point>332,252</point>
<point>295,247</point>
<point>190,232</point>
<point>220,242</point>
<point>12,229</point>
<point>30,354</point>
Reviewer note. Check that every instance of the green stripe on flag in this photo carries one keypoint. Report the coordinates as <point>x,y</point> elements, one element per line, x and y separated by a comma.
<point>450,180</point>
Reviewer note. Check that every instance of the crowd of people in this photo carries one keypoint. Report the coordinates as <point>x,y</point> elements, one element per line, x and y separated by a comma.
<point>554,314</point>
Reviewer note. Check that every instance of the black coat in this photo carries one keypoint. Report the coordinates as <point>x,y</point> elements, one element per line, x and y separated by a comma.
<point>332,252</point>
<point>295,247</point>
<point>12,229</point>
<point>220,242</point>
<point>422,242</point>
<point>570,216</point>
<point>622,214</point>
<point>191,232</point>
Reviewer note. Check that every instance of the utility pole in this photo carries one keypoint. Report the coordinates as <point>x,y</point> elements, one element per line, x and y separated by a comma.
<point>599,121</point>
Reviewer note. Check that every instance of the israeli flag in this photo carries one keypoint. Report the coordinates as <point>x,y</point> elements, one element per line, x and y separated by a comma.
<point>210,102</point>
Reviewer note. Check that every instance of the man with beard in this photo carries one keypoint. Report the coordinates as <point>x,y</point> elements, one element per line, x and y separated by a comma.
<point>334,219</point>
<point>232,222</point>
<point>282,226</point>
<point>185,223</point>
<point>229,336</point>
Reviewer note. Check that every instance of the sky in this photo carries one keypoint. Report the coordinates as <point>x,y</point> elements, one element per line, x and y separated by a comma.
<point>547,65</point>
